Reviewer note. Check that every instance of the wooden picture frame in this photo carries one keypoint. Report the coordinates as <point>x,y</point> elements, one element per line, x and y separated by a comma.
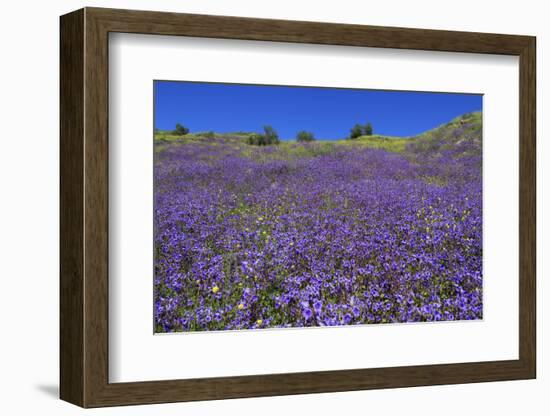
<point>84,207</point>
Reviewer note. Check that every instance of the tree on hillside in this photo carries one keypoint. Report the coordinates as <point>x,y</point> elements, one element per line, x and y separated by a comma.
<point>271,136</point>
<point>305,136</point>
<point>181,130</point>
<point>254,139</point>
<point>368,129</point>
<point>356,131</point>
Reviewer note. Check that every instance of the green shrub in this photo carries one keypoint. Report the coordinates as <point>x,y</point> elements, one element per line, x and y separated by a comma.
<point>181,130</point>
<point>356,131</point>
<point>305,136</point>
<point>368,129</point>
<point>271,136</point>
<point>256,139</point>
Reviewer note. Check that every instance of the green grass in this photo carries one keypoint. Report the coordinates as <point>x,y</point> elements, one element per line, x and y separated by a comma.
<point>287,151</point>
<point>388,143</point>
<point>467,127</point>
<point>439,138</point>
<point>169,137</point>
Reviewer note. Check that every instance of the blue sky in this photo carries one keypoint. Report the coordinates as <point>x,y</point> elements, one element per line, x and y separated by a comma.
<point>329,113</point>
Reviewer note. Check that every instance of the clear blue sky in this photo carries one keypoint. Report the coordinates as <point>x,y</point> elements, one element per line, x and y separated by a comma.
<point>329,113</point>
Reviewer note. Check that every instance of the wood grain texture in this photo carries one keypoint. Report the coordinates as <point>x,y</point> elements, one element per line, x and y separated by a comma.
<point>96,226</point>
<point>162,23</point>
<point>71,100</point>
<point>84,207</point>
<point>527,207</point>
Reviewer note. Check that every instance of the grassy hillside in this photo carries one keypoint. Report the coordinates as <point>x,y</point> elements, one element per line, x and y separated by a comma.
<point>389,143</point>
<point>461,135</point>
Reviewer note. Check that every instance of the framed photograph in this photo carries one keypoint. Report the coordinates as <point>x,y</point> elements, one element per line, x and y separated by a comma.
<point>254,207</point>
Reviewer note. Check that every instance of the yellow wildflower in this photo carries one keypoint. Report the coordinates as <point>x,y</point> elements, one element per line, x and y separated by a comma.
<point>215,289</point>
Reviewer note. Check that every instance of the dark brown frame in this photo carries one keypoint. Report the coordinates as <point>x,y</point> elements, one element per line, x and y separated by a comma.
<point>84,209</point>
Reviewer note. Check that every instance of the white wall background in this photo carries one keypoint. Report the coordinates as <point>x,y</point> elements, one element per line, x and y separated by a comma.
<point>29,207</point>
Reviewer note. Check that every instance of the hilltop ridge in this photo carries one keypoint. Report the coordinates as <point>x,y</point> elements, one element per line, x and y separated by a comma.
<point>461,135</point>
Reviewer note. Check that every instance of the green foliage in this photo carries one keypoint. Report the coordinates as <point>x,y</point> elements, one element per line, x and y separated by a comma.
<point>305,136</point>
<point>463,133</point>
<point>181,130</point>
<point>256,139</point>
<point>356,131</point>
<point>271,135</point>
<point>368,129</point>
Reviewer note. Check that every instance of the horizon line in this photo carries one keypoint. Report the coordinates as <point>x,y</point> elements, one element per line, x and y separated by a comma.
<point>243,132</point>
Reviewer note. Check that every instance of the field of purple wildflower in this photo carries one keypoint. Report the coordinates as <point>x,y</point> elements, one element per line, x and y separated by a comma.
<point>318,234</point>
